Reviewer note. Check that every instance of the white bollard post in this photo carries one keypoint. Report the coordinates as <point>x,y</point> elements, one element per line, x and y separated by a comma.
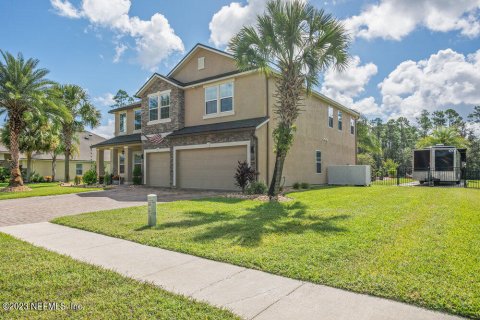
<point>152,210</point>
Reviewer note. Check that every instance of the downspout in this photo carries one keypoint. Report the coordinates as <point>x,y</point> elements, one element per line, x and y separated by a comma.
<point>267,112</point>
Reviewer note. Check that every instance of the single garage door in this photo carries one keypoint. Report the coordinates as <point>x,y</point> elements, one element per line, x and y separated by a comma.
<point>158,169</point>
<point>209,168</point>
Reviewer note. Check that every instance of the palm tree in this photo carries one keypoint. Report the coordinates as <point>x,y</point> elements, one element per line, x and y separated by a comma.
<point>295,42</point>
<point>82,113</point>
<point>448,136</point>
<point>23,89</point>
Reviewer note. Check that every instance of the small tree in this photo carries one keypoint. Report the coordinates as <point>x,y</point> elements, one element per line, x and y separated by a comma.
<point>137,175</point>
<point>244,175</point>
<point>121,99</point>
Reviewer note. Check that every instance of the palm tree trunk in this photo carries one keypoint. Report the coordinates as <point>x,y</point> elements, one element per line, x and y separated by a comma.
<point>274,188</point>
<point>29,165</point>
<point>67,164</point>
<point>54,166</point>
<point>15,174</point>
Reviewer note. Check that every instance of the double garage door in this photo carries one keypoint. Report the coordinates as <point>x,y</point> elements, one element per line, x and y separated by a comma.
<point>203,168</point>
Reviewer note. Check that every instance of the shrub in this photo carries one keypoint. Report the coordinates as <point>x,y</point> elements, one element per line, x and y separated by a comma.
<point>296,186</point>
<point>108,179</point>
<point>305,185</point>
<point>34,177</point>
<point>47,178</point>
<point>77,180</point>
<point>4,174</point>
<point>90,177</point>
<point>256,188</point>
<point>41,179</point>
<point>244,175</point>
<point>137,175</point>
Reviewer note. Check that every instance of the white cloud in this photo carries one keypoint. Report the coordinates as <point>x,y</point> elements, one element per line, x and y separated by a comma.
<point>154,39</point>
<point>345,86</point>
<point>105,100</point>
<point>446,79</point>
<point>65,9</point>
<point>231,18</point>
<point>107,130</point>
<point>119,50</point>
<point>394,19</point>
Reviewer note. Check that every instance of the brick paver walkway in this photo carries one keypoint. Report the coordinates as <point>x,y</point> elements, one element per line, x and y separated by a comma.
<point>40,209</point>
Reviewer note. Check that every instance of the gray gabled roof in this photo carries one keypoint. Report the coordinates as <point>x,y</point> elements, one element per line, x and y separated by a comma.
<point>132,105</point>
<point>123,139</point>
<point>222,126</point>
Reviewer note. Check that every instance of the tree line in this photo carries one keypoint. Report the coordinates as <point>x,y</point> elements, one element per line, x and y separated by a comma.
<point>387,145</point>
<point>41,115</point>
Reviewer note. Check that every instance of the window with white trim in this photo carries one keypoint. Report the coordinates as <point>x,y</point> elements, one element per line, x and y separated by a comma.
<point>137,121</point>
<point>121,163</point>
<point>165,105</point>
<point>318,161</point>
<point>122,123</point>
<point>79,169</point>
<point>153,108</point>
<point>219,99</point>
<point>340,120</point>
<point>330,117</point>
<point>352,126</point>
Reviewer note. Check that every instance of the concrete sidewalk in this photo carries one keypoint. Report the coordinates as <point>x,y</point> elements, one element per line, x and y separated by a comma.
<point>249,293</point>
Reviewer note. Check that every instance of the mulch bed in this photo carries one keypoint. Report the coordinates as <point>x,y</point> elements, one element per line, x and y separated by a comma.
<point>15,189</point>
<point>257,197</point>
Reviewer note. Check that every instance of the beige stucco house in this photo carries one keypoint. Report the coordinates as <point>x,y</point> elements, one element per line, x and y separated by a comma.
<point>190,128</point>
<point>80,162</point>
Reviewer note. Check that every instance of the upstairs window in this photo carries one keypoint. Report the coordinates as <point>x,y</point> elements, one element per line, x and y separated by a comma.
<point>330,117</point>
<point>165,106</point>
<point>219,99</point>
<point>122,124</point>
<point>352,126</point>
<point>138,119</point>
<point>318,161</point>
<point>153,108</point>
<point>159,106</point>
<point>340,120</point>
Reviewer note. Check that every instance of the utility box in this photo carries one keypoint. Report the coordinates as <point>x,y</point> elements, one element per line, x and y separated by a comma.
<point>349,175</point>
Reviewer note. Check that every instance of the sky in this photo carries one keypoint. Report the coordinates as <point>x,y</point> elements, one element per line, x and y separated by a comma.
<point>406,55</point>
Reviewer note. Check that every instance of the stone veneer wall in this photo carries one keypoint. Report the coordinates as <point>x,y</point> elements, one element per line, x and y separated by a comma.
<point>177,108</point>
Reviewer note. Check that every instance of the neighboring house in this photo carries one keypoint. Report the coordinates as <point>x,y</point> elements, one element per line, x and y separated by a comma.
<point>192,126</point>
<point>79,164</point>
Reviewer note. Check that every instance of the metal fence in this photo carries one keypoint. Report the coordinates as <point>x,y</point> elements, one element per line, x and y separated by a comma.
<point>446,177</point>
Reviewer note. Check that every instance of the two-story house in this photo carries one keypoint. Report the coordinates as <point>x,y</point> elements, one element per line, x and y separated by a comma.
<point>192,126</point>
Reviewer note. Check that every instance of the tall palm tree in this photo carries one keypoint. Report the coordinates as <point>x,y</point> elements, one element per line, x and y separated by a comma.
<point>82,113</point>
<point>448,136</point>
<point>23,89</point>
<point>294,42</point>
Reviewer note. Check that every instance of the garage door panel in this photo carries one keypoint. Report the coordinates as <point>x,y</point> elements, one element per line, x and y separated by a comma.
<point>158,169</point>
<point>209,168</point>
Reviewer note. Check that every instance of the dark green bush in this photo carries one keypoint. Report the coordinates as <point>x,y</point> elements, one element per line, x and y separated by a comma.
<point>90,177</point>
<point>108,178</point>
<point>4,174</point>
<point>137,175</point>
<point>296,185</point>
<point>305,185</point>
<point>256,188</point>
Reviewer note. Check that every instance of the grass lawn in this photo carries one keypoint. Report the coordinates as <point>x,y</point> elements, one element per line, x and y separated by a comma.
<point>31,274</point>
<point>418,245</point>
<point>42,189</point>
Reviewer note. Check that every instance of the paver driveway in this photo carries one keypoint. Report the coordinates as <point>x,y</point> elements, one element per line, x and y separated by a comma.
<point>40,209</point>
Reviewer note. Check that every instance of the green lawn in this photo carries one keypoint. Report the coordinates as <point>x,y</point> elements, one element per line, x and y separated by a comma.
<point>418,245</point>
<point>31,274</point>
<point>42,189</point>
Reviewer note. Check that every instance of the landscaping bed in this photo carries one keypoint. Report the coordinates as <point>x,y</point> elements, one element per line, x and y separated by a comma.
<point>50,281</point>
<point>417,245</point>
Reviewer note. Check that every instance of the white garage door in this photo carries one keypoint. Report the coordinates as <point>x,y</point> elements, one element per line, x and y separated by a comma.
<point>209,168</point>
<point>158,169</point>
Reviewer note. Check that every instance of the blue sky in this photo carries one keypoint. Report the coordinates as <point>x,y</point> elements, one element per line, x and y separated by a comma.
<point>407,55</point>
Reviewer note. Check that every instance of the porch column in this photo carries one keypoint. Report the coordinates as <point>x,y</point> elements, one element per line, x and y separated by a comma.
<point>100,162</point>
<point>110,167</point>
<point>128,159</point>
<point>114,155</point>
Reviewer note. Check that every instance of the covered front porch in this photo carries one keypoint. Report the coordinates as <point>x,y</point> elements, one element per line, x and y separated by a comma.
<point>125,153</point>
